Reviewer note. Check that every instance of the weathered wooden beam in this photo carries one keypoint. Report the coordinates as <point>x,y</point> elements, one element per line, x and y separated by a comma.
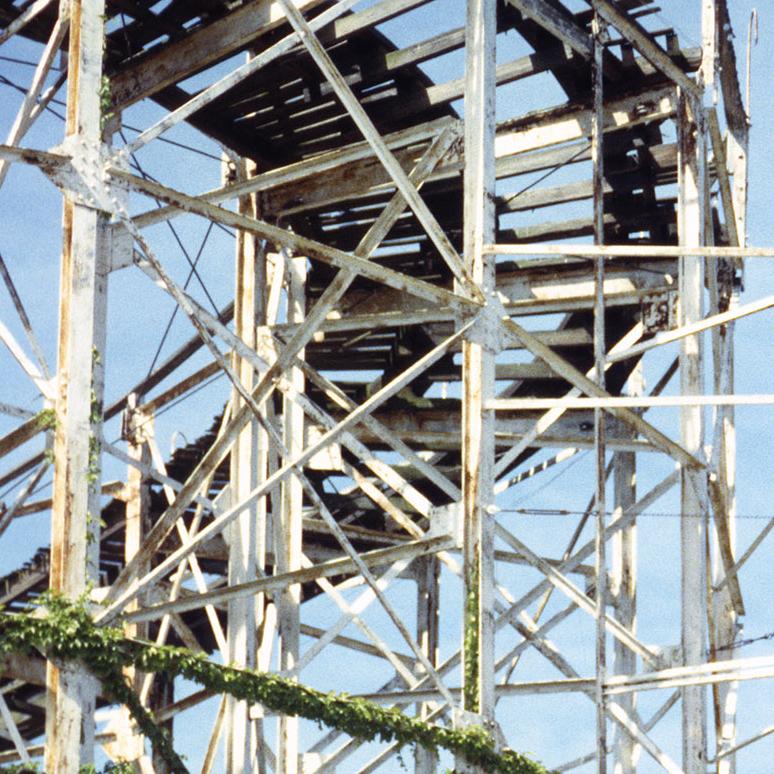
<point>632,251</point>
<point>203,47</point>
<point>561,25</point>
<point>644,43</point>
<point>295,242</point>
<point>693,233</point>
<point>23,19</point>
<point>590,388</point>
<point>209,94</point>
<point>71,692</point>
<point>437,235</point>
<point>478,368</point>
<point>244,471</point>
<point>330,569</point>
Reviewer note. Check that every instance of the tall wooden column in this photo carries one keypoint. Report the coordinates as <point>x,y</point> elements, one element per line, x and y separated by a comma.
<point>478,366</point>
<point>427,575</point>
<point>71,693</point>
<point>242,566</point>
<point>692,174</point>
<point>600,351</point>
<point>726,623</point>
<point>289,530</point>
<point>623,573</point>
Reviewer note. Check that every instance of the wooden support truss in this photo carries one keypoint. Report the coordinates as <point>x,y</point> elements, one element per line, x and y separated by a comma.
<point>400,340</point>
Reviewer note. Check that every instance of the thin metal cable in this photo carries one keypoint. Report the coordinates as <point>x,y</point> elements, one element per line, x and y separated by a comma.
<point>18,87</point>
<point>548,174</point>
<point>171,227</point>
<point>551,480</point>
<point>27,62</point>
<point>648,514</point>
<point>742,643</point>
<point>176,307</point>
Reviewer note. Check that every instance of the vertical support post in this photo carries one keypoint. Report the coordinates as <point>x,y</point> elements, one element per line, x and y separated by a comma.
<point>288,533</point>
<point>692,171</point>
<point>264,613</point>
<point>724,612</point>
<point>243,533</point>
<point>425,760</point>
<point>137,428</point>
<point>725,617</point>
<point>598,162</point>
<point>71,693</point>
<point>624,588</point>
<point>478,367</point>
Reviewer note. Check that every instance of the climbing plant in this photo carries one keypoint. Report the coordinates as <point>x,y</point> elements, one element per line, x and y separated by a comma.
<point>66,632</point>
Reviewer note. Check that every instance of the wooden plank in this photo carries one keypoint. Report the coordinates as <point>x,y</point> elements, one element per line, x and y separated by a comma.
<point>227,82</point>
<point>571,122</point>
<point>203,47</point>
<point>294,242</point>
<point>382,152</point>
<point>644,43</point>
<point>330,569</point>
<point>27,114</point>
<point>122,592</point>
<point>693,233</point>
<point>561,25</point>
<point>319,167</point>
<point>244,472</point>
<point>19,435</point>
<point>632,251</point>
<point>590,388</point>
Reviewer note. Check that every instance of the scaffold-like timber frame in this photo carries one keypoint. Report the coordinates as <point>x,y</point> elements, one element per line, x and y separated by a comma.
<point>404,335</point>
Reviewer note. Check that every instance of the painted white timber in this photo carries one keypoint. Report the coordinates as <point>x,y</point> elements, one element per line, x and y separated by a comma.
<point>586,385</point>
<point>692,232</point>
<point>628,401</point>
<point>576,595</point>
<point>730,751</point>
<point>13,731</point>
<point>288,529</point>
<point>71,692</point>
<point>120,594</point>
<point>630,251</point>
<point>242,537</point>
<point>623,581</point>
<point>645,44</point>
<point>478,367</point>
<point>44,385</point>
<point>543,132</point>
<point>332,568</point>
<point>667,337</point>
<point>554,413</point>
<point>600,509</point>
<point>207,95</point>
<point>301,245</point>
<point>382,152</point>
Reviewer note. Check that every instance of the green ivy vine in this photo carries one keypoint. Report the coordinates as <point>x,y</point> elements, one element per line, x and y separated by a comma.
<point>470,650</point>
<point>33,768</point>
<point>67,633</point>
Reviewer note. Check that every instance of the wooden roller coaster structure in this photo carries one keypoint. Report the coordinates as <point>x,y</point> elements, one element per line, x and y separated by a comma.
<point>437,295</point>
